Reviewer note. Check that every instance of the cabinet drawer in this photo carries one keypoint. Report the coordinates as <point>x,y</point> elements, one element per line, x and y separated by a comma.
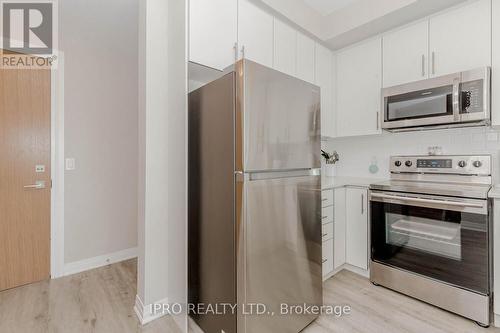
<point>326,198</point>
<point>327,257</point>
<point>327,231</point>
<point>327,215</point>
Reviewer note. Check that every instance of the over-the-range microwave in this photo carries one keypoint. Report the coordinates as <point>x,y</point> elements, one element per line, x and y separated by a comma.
<point>456,100</point>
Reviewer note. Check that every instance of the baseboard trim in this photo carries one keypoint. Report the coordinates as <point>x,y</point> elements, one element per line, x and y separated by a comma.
<point>145,312</point>
<point>99,261</point>
<point>496,320</point>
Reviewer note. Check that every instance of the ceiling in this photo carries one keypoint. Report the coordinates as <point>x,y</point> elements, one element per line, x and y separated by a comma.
<point>326,7</point>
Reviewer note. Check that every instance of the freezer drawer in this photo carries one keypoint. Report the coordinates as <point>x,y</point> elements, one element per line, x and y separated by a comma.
<point>283,249</point>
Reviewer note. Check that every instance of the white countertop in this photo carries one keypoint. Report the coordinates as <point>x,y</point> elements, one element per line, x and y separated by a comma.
<point>328,183</point>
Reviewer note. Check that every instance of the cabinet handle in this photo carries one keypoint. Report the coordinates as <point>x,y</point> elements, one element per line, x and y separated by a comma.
<point>324,235</point>
<point>423,65</point>
<point>243,52</point>
<point>433,62</point>
<point>378,120</point>
<point>362,204</point>
<point>323,217</point>
<point>235,48</point>
<point>324,260</point>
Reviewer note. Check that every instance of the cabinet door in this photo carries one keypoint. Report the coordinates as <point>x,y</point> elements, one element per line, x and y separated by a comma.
<point>339,228</point>
<point>495,78</point>
<point>406,54</point>
<point>461,39</point>
<point>285,48</point>
<point>212,32</point>
<point>357,227</point>
<point>324,79</point>
<point>359,81</point>
<point>255,33</point>
<point>327,249</point>
<point>305,58</point>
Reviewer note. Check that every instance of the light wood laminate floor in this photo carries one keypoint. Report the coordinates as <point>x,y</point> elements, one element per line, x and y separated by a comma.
<point>377,309</point>
<point>97,301</point>
<point>102,300</point>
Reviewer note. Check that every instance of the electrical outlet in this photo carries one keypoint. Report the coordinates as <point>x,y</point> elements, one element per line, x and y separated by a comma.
<point>70,164</point>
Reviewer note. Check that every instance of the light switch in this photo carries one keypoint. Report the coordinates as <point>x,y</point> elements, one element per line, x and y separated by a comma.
<point>70,164</point>
<point>39,168</point>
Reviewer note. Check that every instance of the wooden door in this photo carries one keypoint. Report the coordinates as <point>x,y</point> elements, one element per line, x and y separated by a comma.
<point>406,54</point>
<point>24,145</point>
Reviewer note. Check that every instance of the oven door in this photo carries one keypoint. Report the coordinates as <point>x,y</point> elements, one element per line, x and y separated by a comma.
<point>429,102</point>
<point>443,238</point>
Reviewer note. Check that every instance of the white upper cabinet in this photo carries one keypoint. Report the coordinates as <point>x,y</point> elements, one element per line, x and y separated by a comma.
<point>406,54</point>
<point>255,33</point>
<point>359,81</point>
<point>495,76</point>
<point>324,79</point>
<point>285,48</point>
<point>213,32</point>
<point>461,39</point>
<point>305,58</point>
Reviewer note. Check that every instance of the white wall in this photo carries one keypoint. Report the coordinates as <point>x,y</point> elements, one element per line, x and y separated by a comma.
<point>99,40</point>
<point>162,218</point>
<point>357,153</point>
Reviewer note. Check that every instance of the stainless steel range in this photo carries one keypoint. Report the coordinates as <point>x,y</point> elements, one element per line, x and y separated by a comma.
<point>431,232</point>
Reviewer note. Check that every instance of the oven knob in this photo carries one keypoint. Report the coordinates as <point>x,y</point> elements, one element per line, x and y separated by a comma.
<point>478,164</point>
<point>408,163</point>
<point>462,164</point>
<point>397,163</point>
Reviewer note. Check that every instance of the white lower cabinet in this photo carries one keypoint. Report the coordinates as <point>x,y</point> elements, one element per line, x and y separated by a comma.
<point>327,258</point>
<point>327,229</point>
<point>349,227</point>
<point>339,228</point>
<point>357,227</point>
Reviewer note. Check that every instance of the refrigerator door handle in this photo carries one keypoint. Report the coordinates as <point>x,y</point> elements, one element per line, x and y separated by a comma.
<point>262,175</point>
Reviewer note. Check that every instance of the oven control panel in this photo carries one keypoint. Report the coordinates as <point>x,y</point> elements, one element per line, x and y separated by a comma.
<point>464,165</point>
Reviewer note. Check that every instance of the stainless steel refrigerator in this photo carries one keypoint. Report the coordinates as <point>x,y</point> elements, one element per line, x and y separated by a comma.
<point>254,201</point>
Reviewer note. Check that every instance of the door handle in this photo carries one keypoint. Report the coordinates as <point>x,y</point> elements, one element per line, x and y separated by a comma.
<point>39,185</point>
<point>433,62</point>
<point>362,204</point>
<point>423,65</point>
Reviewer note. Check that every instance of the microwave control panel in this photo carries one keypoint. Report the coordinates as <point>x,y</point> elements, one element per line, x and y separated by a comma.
<point>472,96</point>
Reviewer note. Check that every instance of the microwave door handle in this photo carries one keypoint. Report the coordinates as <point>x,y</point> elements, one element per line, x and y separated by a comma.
<point>456,99</point>
<point>431,201</point>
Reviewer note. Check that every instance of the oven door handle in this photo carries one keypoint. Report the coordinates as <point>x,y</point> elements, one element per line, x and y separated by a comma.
<point>431,201</point>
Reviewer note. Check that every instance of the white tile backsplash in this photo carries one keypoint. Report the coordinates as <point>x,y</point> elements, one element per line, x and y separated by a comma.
<point>358,153</point>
